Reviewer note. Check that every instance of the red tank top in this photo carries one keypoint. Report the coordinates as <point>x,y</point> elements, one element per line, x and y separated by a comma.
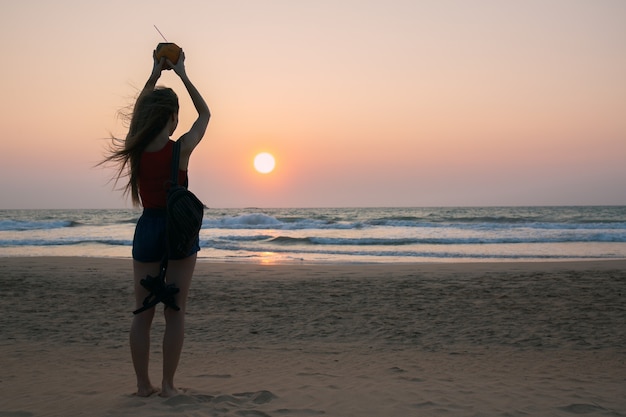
<point>154,176</point>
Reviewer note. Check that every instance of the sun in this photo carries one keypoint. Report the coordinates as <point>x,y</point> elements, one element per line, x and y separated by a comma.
<point>264,163</point>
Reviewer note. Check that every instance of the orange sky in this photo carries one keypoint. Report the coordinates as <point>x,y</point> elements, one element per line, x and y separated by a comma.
<point>363,103</point>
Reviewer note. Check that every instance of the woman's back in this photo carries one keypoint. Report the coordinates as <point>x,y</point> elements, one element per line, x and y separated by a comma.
<point>154,176</point>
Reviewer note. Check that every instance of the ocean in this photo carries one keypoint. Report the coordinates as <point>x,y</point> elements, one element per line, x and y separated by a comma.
<point>339,235</point>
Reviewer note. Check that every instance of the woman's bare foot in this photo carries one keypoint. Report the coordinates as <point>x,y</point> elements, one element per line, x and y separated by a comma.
<point>168,391</point>
<point>146,391</point>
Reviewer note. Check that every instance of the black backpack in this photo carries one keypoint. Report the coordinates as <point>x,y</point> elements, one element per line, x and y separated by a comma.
<point>184,214</point>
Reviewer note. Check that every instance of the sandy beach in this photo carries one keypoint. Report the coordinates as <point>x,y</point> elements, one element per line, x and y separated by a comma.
<point>496,339</point>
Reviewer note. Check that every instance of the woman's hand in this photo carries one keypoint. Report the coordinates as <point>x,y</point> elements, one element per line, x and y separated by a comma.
<point>179,67</point>
<point>158,66</point>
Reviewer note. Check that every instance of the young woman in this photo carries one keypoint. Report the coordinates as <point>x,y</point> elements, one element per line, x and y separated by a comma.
<point>145,156</point>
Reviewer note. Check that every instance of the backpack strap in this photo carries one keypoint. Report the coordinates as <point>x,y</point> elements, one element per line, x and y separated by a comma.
<point>174,182</point>
<point>175,162</point>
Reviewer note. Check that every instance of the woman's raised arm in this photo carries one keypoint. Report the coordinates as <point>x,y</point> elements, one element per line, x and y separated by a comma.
<point>191,139</point>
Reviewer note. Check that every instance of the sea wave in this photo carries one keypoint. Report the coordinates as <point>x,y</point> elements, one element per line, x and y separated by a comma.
<point>484,223</point>
<point>263,221</point>
<point>63,242</point>
<point>20,225</point>
<point>397,254</point>
<point>334,241</point>
<point>234,242</point>
<point>266,222</point>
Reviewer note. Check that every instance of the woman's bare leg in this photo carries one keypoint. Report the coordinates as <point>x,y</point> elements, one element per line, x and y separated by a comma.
<point>179,273</point>
<point>140,330</point>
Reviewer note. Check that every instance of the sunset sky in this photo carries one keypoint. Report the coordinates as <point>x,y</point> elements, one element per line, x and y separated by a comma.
<point>362,103</point>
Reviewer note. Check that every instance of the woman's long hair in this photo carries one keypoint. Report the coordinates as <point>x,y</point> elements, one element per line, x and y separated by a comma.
<point>149,117</point>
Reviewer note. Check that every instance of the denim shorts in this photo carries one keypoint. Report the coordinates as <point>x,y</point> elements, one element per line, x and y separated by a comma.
<point>149,243</point>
